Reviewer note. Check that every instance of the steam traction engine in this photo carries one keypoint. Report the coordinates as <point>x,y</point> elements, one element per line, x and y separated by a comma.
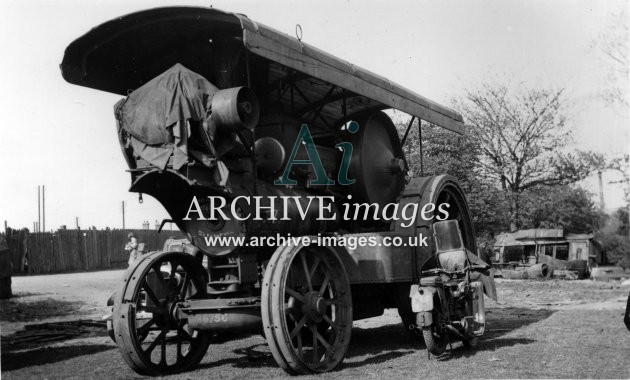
<point>214,104</point>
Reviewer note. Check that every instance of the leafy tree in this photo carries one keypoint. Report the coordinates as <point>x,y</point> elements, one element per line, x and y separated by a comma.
<point>615,238</point>
<point>624,221</point>
<point>616,248</point>
<point>567,207</point>
<point>445,152</point>
<point>521,134</point>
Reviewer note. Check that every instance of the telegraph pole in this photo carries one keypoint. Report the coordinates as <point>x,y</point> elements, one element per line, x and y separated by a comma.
<point>39,209</point>
<point>420,142</point>
<point>123,213</point>
<point>44,208</point>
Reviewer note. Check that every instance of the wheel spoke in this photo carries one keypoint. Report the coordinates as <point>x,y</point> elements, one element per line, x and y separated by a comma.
<point>306,272</point>
<point>163,353</point>
<point>146,327</point>
<point>150,292</point>
<point>157,267</point>
<point>314,268</point>
<point>185,334</point>
<point>322,340</point>
<point>153,310</point>
<point>324,284</point>
<point>154,343</point>
<point>179,347</point>
<point>294,294</point>
<point>292,317</point>
<point>288,310</point>
<point>330,322</point>
<point>173,268</point>
<point>300,346</point>
<point>456,215</point>
<point>299,326</point>
<point>315,356</point>
<point>333,301</point>
<point>182,294</point>
<point>447,198</point>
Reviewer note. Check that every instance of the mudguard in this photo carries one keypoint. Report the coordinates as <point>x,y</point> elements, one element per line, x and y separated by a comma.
<point>422,304</point>
<point>422,298</point>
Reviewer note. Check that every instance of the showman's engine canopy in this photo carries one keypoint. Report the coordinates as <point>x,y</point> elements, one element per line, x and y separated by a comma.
<point>214,103</point>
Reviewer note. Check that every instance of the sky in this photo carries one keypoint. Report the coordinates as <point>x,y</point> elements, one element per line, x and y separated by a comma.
<point>63,136</point>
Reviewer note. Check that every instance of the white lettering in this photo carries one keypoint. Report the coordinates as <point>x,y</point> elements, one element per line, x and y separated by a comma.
<point>197,209</point>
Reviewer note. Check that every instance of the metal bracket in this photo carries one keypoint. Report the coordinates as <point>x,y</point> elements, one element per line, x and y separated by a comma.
<point>164,221</point>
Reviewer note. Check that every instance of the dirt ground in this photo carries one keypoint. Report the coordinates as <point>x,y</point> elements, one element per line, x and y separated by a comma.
<point>550,329</point>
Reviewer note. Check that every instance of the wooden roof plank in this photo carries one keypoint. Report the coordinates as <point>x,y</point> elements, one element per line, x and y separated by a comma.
<point>285,54</point>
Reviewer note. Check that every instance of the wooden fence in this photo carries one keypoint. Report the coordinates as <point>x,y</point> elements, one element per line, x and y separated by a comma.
<point>77,250</point>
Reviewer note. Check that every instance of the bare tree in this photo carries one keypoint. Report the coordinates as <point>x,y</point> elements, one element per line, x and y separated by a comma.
<point>522,133</point>
<point>613,43</point>
<point>621,164</point>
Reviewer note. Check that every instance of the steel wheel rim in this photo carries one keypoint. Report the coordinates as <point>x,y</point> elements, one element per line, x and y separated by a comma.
<point>151,340</point>
<point>458,211</point>
<point>312,318</point>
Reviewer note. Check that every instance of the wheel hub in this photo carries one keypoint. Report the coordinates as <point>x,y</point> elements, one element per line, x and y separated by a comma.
<point>174,313</point>
<point>314,306</point>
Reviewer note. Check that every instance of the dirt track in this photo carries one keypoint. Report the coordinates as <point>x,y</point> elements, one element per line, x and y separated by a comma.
<point>568,329</point>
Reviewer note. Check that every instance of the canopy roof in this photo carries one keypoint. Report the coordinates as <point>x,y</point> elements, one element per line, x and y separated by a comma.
<point>121,55</point>
<point>538,236</point>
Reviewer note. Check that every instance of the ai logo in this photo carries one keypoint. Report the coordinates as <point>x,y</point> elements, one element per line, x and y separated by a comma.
<point>305,138</point>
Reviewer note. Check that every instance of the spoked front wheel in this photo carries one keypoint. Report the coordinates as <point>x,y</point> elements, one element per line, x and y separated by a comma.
<point>150,337</point>
<point>307,309</point>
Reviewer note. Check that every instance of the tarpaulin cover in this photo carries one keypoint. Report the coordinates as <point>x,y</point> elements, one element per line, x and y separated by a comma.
<point>158,116</point>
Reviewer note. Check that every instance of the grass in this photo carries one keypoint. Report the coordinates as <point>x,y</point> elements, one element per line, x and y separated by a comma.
<point>530,334</point>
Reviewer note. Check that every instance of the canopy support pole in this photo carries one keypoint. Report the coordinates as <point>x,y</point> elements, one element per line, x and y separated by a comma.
<point>420,142</point>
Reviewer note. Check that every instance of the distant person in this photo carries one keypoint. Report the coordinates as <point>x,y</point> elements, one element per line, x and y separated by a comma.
<point>6,269</point>
<point>132,247</point>
<point>626,317</point>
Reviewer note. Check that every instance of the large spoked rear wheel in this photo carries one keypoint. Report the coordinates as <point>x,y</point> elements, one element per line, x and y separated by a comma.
<point>151,339</point>
<point>306,309</point>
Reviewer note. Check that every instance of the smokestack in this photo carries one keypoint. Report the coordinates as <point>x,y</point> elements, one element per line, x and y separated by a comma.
<point>601,191</point>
